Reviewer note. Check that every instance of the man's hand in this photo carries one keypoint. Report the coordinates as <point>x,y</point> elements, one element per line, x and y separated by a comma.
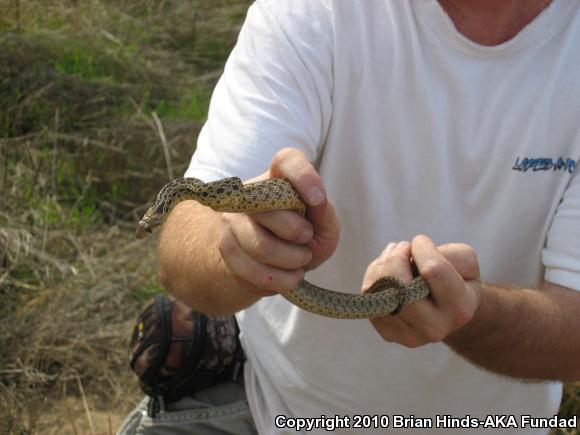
<point>270,252</point>
<point>452,272</point>
<point>519,332</point>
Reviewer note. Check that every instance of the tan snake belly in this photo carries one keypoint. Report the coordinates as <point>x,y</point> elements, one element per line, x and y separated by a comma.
<point>388,295</point>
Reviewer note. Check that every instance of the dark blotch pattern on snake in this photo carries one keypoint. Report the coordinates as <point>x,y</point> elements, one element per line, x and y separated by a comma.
<point>388,295</point>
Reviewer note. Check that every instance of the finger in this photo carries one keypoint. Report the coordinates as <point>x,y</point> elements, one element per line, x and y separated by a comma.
<point>286,225</point>
<point>395,260</point>
<point>265,248</point>
<point>260,279</point>
<point>427,322</point>
<point>463,258</point>
<point>413,324</point>
<point>292,164</point>
<point>326,226</point>
<point>393,329</point>
<point>447,285</point>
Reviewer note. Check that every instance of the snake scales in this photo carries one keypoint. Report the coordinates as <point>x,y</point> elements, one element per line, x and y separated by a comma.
<point>388,295</point>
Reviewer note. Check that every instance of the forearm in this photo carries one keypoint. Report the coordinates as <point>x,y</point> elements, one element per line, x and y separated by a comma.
<point>190,264</point>
<point>524,333</point>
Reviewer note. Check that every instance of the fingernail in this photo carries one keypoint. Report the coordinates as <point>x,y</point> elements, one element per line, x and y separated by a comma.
<point>315,196</point>
<point>307,257</point>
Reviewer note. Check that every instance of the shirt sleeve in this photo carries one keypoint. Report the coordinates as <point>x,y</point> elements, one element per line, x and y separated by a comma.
<point>275,92</point>
<point>561,256</point>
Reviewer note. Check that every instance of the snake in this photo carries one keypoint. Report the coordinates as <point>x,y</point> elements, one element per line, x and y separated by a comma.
<point>387,295</point>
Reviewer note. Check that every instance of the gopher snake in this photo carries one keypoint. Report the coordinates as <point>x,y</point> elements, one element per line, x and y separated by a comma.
<point>388,295</point>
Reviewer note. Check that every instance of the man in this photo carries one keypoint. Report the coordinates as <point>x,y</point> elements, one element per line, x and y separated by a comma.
<point>455,119</point>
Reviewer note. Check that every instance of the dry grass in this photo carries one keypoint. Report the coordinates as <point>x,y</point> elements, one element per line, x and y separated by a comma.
<point>86,88</point>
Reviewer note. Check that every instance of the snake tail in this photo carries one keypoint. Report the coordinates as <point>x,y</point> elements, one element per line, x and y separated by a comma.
<point>387,295</point>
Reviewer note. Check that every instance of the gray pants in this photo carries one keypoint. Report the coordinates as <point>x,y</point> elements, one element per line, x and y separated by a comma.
<point>221,409</point>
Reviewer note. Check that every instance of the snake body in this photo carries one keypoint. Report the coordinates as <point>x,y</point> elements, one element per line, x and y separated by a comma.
<point>388,295</point>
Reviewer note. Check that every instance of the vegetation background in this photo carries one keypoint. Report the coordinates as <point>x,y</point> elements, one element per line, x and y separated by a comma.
<point>100,103</point>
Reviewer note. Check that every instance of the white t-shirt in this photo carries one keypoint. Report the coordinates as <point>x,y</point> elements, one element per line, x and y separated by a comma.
<point>414,129</point>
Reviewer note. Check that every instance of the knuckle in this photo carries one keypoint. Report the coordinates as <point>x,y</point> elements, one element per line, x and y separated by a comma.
<point>226,219</point>
<point>403,245</point>
<point>461,315</point>
<point>374,265</point>
<point>382,260</point>
<point>306,256</point>
<point>434,334</point>
<point>412,341</point>
<point>284,155</point>
<point>262,247</point>
<point>467,249</point>
<point>468,256</point>
<point>233,223</point>
<point>226,245</point>
<point>293,164</point>
<point>433,269</point>
<point>471,257</point>
<point>382,327</point>
<point>386,335</point>
<point>305,172</point>
<point>382,263</point>
<point>295,229</point>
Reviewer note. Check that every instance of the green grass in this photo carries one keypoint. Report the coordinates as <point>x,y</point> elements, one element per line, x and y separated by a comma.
<point>80,157</point>
<point>192,105</point>
<point>78,62</point>
<point>152,288</point>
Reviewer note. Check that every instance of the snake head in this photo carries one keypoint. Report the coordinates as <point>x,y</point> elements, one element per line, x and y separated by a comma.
<point>152,220</point>
<point>166,199</point>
